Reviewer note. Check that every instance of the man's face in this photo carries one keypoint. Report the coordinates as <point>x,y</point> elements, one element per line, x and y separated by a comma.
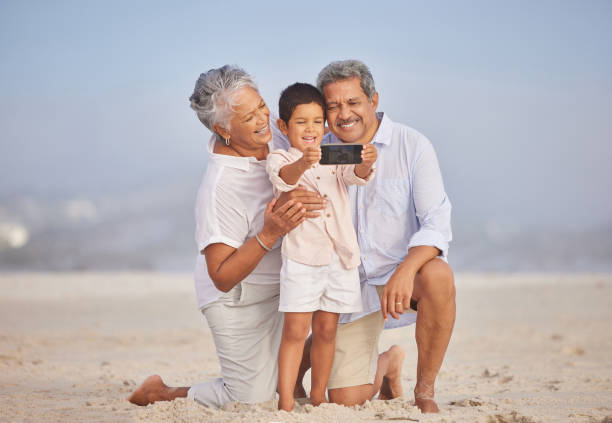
<point>350,115</point>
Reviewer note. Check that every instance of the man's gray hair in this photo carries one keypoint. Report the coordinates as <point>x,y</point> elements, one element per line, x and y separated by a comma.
<point>345,69</point>
<point>214,94</point>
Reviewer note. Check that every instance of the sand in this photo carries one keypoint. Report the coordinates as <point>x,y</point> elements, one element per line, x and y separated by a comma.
<point>526,348</point>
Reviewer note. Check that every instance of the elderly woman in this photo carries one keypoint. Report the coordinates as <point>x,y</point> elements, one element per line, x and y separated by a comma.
<point>237,232</point>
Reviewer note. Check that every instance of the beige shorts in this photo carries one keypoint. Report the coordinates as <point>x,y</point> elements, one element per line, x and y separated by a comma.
<point>356,355</point>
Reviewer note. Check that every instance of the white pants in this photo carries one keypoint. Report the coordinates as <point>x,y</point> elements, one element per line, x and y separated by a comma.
<point>246,328</point>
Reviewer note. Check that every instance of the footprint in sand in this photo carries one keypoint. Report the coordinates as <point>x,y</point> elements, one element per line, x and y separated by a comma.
<point>573,350</point>
<point>466,403</point>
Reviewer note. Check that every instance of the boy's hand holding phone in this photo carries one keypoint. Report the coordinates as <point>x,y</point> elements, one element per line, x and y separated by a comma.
<point>369,154</point>
<point>311,155</point>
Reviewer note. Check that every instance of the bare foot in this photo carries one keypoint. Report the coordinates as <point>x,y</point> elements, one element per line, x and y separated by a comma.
<point>316,401</point>
<point>424,398</point>
<point>426,405</point>
<point>392,382</point>
<point>286,404</point>
<point>152,389</point>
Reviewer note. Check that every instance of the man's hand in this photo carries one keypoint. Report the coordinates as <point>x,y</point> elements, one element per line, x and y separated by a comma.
<point>397,293</point>
<point>311,201</point>
<point>311,155</point>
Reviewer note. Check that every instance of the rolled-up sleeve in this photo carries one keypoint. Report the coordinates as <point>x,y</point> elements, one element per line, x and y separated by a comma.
<point>276,160</point>
<point>433,208</point>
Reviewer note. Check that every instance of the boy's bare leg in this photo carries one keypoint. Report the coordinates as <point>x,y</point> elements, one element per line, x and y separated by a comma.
<point>295,331</point>
<point>154,389</point>
<point>324,327</point>
<point>387,379</point>
<point>434,289</point>
<point>299,391</point>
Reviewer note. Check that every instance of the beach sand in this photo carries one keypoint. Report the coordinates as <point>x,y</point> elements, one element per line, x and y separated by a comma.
<point>526,348</point>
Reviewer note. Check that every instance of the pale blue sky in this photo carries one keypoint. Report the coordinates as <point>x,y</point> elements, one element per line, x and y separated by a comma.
<point>516,96</point>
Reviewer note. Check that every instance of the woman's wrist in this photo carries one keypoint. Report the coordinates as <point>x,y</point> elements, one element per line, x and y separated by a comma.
<point>265,240</point>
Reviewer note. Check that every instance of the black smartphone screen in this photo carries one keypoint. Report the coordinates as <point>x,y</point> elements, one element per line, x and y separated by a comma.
<point>332,154</point>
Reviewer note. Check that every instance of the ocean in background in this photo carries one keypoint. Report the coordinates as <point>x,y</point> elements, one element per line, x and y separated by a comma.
<point>154,230</point>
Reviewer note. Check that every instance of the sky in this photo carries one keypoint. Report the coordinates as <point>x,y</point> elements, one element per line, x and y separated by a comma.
<point>516,97</point>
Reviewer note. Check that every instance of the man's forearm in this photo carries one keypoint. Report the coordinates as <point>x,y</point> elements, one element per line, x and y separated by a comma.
<point>417,257</point>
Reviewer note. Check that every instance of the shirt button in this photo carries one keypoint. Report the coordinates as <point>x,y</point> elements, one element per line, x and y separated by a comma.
<point>318,177</point>
<point>333,172</point>
<point>328,215</point>
<point>324,195</point>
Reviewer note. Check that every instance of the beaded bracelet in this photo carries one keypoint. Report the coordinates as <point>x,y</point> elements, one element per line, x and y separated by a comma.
<point>262,244</point>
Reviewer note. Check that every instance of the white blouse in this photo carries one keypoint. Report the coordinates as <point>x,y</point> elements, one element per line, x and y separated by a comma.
<point>229,209</point>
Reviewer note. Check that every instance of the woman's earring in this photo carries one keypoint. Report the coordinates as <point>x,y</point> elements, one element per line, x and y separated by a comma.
<point>227,141</point>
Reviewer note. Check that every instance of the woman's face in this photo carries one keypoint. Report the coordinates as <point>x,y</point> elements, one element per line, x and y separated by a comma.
<point>250,122</point>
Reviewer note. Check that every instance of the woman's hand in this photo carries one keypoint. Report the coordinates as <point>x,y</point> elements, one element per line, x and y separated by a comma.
<point>311,201</point>
<point>280,221</point>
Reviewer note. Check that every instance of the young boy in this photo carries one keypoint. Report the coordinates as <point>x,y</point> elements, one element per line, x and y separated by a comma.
<point>319,276</point>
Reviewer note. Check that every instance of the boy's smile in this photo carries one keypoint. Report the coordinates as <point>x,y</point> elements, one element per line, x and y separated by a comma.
<point>306,126</point>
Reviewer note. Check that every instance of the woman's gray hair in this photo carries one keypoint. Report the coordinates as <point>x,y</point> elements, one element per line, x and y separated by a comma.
<point>345,69</point>
<point>214,95</point>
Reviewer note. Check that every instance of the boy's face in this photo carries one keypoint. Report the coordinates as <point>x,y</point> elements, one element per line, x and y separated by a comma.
<point>306,126</point>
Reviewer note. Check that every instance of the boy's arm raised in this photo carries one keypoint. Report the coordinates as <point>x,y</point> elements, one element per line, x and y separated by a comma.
<point>292,173</point>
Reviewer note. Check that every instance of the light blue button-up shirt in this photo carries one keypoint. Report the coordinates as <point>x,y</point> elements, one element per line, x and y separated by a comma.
<point>404,206</point>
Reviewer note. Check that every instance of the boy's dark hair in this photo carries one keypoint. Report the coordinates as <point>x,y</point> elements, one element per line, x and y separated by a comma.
<point>296,94</point>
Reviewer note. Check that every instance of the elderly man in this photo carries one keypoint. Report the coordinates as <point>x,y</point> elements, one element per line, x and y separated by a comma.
<point>402,220</point>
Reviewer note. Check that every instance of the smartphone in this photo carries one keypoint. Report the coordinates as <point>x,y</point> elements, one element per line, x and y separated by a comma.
<point>332,154</point>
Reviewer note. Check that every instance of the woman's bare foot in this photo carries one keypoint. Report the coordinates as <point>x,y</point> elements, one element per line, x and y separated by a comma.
<point>424,398</point>
<point>392,382</point>
<point>154,389</point>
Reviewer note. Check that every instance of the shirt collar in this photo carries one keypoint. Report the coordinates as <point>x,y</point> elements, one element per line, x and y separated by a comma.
<point>385,129</point>
<point>242,163</point>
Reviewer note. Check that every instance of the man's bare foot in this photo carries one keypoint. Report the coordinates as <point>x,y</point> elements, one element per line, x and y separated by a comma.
<point>426,405</point>
<point>392,382</point>
<point>424,398</point>
<point>152,389</point>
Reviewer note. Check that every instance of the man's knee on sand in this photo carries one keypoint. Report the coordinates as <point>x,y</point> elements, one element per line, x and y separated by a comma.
<point>436,281</point>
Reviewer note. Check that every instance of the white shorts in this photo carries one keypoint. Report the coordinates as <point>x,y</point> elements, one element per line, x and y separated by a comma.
<point>306,288</point>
